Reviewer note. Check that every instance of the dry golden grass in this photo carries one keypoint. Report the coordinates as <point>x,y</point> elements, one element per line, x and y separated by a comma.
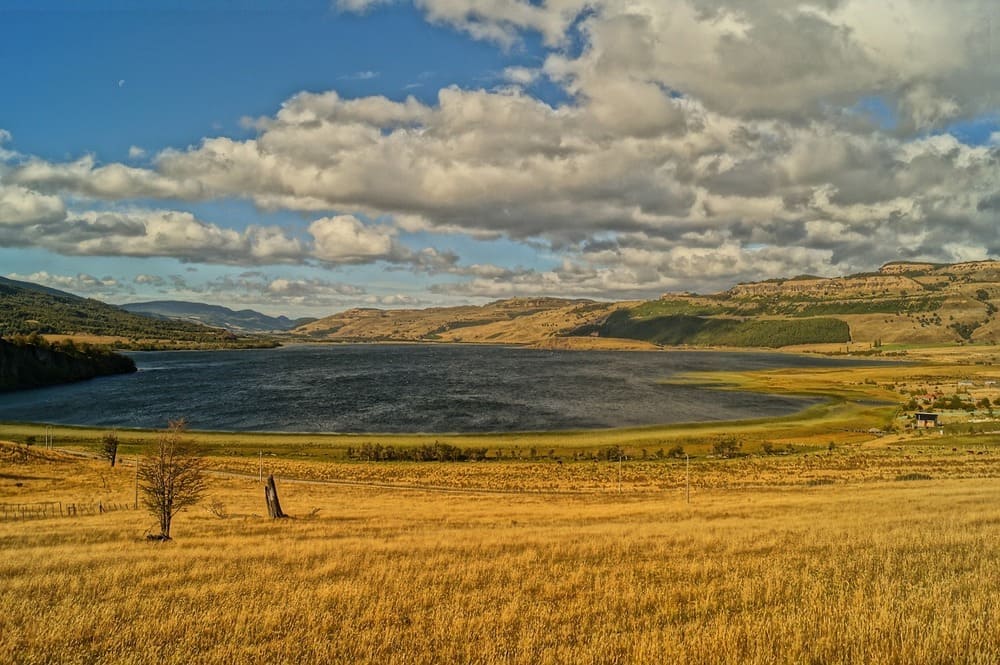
<point>856,571</point>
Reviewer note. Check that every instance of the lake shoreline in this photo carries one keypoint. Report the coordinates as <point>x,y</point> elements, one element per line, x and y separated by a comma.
<point>417,389</point>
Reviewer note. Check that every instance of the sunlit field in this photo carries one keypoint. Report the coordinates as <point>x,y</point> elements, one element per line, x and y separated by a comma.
<point>775,559</point>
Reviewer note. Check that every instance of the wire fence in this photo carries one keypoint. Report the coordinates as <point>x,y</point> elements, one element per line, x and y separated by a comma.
<point>51,509</point>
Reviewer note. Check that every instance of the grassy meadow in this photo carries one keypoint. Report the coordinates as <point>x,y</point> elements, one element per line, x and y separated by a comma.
<point>784,563</point>
<point>816,542</point>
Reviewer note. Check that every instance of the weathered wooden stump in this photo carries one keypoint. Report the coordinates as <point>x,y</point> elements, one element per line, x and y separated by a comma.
<point>271,496</point>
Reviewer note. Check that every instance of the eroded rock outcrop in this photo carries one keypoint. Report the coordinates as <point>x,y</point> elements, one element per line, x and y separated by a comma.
<point>33,366</point>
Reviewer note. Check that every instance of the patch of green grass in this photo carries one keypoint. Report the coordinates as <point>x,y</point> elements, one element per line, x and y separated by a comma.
<point>657,308</point>
<point>676,329</point>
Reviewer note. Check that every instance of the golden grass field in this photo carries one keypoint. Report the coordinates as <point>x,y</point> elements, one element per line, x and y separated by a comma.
<point>852,571</point>
<point>825,554</point>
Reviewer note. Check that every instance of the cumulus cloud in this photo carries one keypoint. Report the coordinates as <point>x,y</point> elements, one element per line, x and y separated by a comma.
<point>278,294</point>
<point>345,239</point>
<point>81,283</point>
<point>5,154</point>
<point>701,142</point>
<point>28,218</point>
<point>395,300</point>
<point>20,207</point>
<point>111,182</point>
<point>148,233</point>
<point>521,75</point>
<point>311,288</point>
<point>149,280</point>
<point>500,21</point>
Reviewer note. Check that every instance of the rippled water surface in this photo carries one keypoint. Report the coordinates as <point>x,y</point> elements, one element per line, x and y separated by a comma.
<point>407,389</point>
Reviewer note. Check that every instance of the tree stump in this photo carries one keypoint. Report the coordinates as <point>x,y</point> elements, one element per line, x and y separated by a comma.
<point>271,496</point>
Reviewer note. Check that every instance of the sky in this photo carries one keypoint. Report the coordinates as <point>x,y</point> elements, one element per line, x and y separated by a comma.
<point>306,157</point>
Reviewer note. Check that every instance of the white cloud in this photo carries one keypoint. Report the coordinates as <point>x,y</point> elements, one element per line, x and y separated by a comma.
<point>394,300</point>
<point>20,206</point>
<point>310,288</point>
<point>111,182</point>
<point>6,155</point>
<point>79,283</point>
<point>501,21</point>
<point>701,141</point>
<point>149,280</point>
<point>521,75</point>
<point>359,6</point>
<point>365,75</point>
<point>345,239</point>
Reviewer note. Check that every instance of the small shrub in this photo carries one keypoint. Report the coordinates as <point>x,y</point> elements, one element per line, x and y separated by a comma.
<point>726,446</point>
<point>217,508</point>
<point>913,476</point>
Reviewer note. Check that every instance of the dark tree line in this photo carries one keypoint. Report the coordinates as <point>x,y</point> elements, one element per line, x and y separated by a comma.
<point>433,452</point>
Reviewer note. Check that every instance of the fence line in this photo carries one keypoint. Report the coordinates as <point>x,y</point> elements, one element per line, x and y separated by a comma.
<point>51,509</point>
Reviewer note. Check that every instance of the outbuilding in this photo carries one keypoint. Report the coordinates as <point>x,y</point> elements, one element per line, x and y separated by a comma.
<point>927,419</point>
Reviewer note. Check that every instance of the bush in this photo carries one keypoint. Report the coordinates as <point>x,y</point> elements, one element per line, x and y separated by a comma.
<point>913,476</point>
<point>726,447</point>
<point>676,452</point>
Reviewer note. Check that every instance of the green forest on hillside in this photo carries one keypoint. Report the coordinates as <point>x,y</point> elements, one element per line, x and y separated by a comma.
<point>24,311</point>
<point>703,331</point>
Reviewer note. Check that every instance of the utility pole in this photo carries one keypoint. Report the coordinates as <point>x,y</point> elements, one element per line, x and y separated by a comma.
<point>687,481</point>
<point>260,467</point>
<point>137,481</point>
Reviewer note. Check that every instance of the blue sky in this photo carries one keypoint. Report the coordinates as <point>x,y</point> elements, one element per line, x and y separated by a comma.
<point>309,156</point>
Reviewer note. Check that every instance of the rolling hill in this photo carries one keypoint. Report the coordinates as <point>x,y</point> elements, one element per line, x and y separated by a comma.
<point>916,303</point>
<point>513,321</point>
<point>242,321</point>
<point>901,303</point>
<point>27,308</point>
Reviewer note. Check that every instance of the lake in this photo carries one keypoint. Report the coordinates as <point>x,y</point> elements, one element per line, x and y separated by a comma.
<point>409,388</point>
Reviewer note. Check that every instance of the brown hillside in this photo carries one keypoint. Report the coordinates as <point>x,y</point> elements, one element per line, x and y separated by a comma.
<point>514,321</point>
<point>915,303</point>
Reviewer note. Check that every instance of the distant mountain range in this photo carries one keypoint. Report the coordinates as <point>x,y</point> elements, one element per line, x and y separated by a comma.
<point>901,303</point>
<point>27,308</point>
<point>241,321</point>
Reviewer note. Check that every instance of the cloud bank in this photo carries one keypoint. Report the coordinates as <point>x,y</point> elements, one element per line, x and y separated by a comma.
<point>700,143</point>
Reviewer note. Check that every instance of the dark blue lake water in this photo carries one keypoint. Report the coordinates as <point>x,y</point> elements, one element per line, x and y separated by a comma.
<point>408,389</point>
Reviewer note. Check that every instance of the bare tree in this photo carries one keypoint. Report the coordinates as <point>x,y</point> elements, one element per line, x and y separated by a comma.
<point>109,446</point>
<point>171,476</point>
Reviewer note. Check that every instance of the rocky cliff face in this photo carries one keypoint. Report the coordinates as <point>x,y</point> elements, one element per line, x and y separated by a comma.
<point>855,286</point>
<point>31,366</point>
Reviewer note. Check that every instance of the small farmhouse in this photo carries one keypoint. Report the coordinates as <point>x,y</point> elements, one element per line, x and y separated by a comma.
<point>926,419</point>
